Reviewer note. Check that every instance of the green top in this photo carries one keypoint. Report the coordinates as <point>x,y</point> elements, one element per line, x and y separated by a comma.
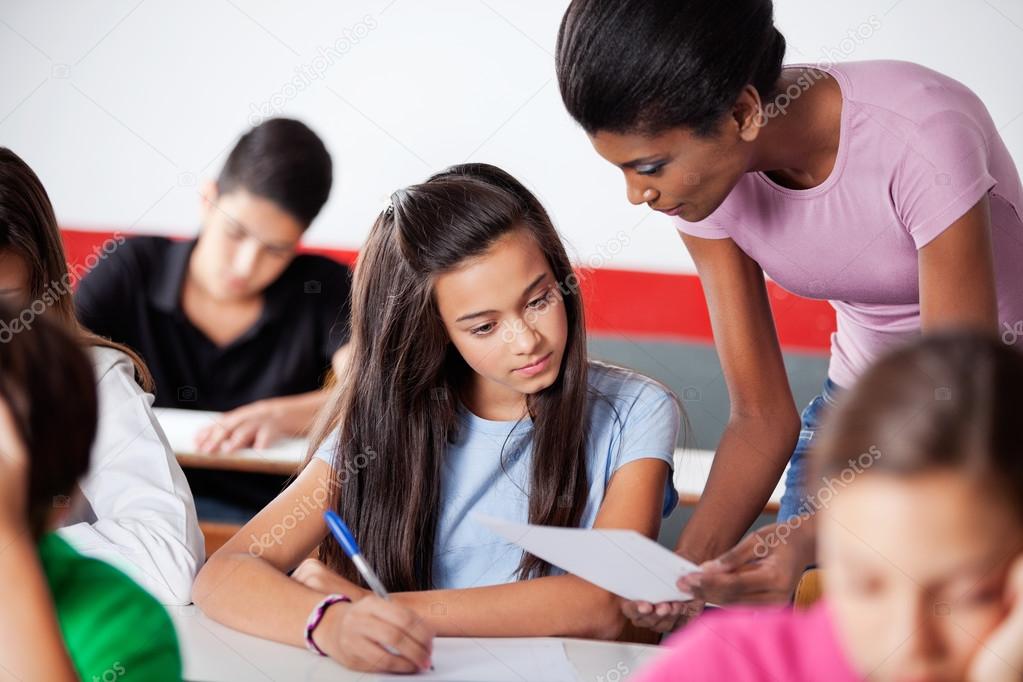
<point>112,628</point>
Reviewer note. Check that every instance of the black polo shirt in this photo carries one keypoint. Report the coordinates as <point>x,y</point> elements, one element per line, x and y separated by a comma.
<point>134,298</point>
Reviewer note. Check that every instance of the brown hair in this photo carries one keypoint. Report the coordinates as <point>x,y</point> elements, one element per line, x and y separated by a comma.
<point>399,403</point>
<point>28,228</point>
<point>40,368</point>
<point>950,400</point>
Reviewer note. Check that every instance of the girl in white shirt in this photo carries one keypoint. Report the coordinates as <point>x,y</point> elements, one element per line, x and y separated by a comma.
<point>134,509</point>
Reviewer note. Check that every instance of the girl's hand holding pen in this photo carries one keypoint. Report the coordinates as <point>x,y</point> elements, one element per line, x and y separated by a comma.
<point>375,635</point>
<point>365,634</point>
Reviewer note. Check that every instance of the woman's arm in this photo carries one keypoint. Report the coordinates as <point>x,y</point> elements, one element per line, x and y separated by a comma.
<point>543,607</point>
<point>957,276</point>
<point>957,289</point>
<point>763,423</point>
<point>758,440</point>
<point>245,585</point>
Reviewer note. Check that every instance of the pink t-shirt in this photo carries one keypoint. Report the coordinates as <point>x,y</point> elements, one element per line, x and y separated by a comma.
<point>917,149</point>
<point>754,645</point>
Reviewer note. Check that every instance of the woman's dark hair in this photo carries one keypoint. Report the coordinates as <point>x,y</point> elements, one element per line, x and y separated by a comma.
<point>947,401</point>
<point>284,161</point>
<point>646,66</point>
<point>48,385</point>
<point>28,229</point>
<point>398,411</point>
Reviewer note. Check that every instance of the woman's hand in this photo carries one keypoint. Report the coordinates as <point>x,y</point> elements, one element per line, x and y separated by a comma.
<point>315,575</point>
<point>663,617</point>
<point>763,568</point>
<point>13,472</point>
<point>1000,657</point>
<point>375,635</point>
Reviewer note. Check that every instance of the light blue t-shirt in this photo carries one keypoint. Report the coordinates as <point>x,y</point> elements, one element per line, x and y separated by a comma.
<point>631,416</point>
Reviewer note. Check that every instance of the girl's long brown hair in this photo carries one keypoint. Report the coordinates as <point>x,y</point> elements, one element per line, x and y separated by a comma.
<point>28,228</point>
<point>397,412</point>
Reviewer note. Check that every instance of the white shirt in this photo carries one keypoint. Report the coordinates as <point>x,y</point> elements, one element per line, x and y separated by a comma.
<point>136,510</point>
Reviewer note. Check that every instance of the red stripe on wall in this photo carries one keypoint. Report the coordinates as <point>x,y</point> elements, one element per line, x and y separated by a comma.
<point>620,302</point>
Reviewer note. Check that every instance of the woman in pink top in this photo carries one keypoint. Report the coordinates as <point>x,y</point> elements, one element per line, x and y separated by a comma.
<point>882,187</point>
<point>921,526</point>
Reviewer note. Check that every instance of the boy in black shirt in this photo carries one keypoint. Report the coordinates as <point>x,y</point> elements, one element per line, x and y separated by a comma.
<point>234,320</point>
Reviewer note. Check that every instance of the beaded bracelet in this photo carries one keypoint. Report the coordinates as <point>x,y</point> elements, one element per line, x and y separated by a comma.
<point>316,616</point>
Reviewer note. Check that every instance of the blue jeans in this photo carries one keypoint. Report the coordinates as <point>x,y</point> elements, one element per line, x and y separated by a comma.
<point>794,498</point>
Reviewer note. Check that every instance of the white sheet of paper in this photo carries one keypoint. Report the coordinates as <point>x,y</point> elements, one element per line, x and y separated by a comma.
<point>181,427</point>
<point>621,561</point>
<point>495,660</point>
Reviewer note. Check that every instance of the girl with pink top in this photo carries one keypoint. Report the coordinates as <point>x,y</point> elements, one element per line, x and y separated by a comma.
<point>919,477</point>
<point>883,187</point>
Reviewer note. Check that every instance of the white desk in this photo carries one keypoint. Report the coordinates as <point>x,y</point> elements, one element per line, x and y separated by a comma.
<point>214,653</point>
<point>691,466</point>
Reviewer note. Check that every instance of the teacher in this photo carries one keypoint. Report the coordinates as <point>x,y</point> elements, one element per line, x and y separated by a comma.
<point>881,186</point>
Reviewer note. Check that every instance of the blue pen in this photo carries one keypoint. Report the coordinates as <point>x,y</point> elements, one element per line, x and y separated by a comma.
<point>351,548</point>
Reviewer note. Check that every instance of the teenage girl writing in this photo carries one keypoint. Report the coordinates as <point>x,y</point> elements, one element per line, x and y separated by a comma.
<point>474,394</point>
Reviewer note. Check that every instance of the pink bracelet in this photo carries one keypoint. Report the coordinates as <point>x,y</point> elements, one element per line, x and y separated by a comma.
<point>316,616</point>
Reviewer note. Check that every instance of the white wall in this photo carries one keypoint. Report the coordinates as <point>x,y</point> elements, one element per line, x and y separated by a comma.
<point>123,106</point>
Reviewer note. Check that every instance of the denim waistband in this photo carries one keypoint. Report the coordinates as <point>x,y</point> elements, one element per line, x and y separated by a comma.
<point>831,391</point>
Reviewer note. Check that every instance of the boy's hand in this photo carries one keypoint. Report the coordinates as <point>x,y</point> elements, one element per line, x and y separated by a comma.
<point>256,425</point>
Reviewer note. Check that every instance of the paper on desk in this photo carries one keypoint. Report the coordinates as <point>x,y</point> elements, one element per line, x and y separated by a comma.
<point>621,561</point>
<point>181,427</point>
<point>495,660</point>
